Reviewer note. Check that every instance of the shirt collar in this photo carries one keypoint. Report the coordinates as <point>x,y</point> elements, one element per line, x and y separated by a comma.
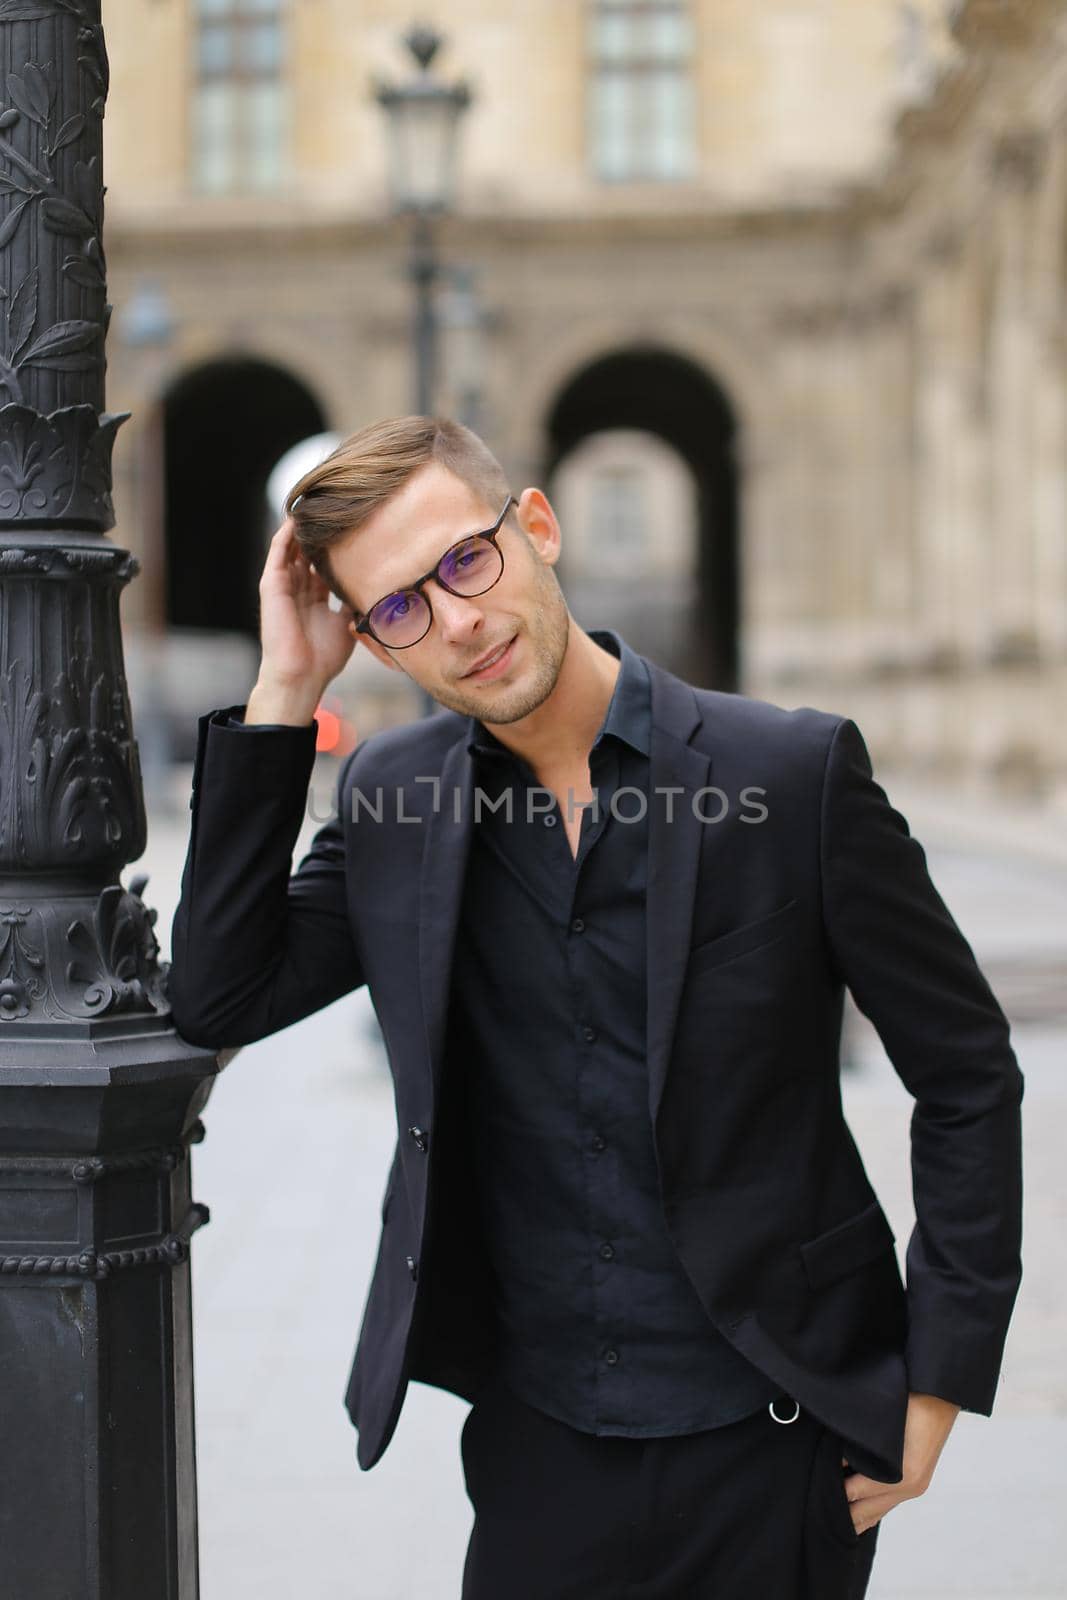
<point>629,713</point>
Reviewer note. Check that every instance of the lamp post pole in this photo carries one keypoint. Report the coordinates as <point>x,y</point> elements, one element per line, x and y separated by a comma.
<point>466,321</point>
<point>424,272</point>
<point>99,1100</point>
<point>422,122</point>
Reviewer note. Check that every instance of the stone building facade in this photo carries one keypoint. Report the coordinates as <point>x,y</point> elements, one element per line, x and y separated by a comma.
<point>773,298</point>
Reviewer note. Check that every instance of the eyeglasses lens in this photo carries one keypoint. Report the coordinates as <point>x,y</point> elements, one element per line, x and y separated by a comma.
<point>472,566</point>
<point>400,619</point>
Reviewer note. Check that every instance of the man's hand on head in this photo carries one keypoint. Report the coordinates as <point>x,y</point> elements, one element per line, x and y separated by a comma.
<point>305,642</point>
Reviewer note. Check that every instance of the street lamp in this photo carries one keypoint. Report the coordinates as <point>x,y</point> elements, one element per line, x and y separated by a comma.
<point>422,122</point>
<point>422,119</point>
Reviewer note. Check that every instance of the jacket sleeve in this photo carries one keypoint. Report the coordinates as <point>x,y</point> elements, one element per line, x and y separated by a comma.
<point>914,975</point>
<point>254,945</point>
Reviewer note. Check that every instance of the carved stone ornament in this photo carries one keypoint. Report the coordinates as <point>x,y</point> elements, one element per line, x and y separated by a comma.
<point>117,959</point>
<point>102,962</point>
<point>66,781</point>
<point>55,443</point>
<point>105,560</point>
<point>169,1251</point>
<point>57,468</point>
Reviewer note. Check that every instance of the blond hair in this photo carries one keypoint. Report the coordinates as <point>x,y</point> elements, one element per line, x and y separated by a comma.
<point>369,467</point>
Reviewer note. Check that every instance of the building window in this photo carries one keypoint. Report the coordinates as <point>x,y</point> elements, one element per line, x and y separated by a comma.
<point>641,94</point>
<point>241,104</point>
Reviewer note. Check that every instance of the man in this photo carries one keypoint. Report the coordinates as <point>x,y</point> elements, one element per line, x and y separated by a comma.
<point>606,919</point>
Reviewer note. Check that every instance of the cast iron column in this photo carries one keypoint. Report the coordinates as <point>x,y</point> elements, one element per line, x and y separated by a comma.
<point>424,273</point>
<point>99,1101</point>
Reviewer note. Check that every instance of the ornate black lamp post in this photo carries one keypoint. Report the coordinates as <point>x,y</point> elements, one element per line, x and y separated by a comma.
<point>99,1100</point>
<point>423,117</point>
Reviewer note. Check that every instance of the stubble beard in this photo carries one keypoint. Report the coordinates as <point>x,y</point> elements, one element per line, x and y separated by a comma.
<point>545,639</point>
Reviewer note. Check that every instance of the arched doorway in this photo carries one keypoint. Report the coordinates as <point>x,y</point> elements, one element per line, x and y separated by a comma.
<point>674,598</point>
<point>225,426</point>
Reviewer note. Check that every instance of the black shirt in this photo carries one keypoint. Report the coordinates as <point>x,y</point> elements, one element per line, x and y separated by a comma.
<point>599,1324</point>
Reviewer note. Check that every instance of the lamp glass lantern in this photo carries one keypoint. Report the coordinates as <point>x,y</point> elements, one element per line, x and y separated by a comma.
<point>423,120</point>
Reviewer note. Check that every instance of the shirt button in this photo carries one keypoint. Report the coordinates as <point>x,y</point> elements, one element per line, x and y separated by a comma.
<point>607,1251</point>
<point>550,819</point>
<point>611,1357</point>
<point>598,1142</point>
<point>577,925</point>
<point>589,1035</point>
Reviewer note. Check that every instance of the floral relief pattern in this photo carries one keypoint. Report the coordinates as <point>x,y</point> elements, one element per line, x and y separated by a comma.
<point>59,465</point>
<point>72,344</point>
<point>50,172</point>
<point>21,963</point>
<point>118,954</point>
<point>112,963</point>
<point>65,785</point>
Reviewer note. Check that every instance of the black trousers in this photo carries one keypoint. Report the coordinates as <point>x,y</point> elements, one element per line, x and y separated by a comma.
<point>753,1510</point>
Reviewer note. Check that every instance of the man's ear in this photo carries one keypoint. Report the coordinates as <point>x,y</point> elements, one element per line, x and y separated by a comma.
<point>539,524</point>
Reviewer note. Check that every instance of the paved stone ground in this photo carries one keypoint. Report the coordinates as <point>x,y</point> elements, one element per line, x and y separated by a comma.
<point>300,1131</point>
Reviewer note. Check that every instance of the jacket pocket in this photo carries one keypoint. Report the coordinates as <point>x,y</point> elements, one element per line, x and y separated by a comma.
<point>847,1246</point>
<point>740,941</point>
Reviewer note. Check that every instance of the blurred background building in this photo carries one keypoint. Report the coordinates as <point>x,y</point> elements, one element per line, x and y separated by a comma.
<point>770,299</point>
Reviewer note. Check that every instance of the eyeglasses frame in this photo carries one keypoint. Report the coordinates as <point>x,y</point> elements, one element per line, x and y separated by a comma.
<point>363,625</point>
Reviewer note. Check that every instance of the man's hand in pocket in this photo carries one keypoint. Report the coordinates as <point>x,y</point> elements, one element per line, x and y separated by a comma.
<point>927,1425</point>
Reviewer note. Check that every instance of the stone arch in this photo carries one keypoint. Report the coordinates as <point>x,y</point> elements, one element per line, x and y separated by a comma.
<point>659,391</point>
<point>737,358</point>
<point>226,422</point>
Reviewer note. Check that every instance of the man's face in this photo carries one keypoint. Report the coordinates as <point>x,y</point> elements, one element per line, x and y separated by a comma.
<point>407,536</point>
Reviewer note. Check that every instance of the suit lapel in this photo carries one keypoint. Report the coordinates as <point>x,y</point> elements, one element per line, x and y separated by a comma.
<point>673,864</point>
<point>444,865</point>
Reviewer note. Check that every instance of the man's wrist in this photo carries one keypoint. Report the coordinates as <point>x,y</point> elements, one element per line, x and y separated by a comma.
<point>946,1410</point>
<point>929,1423</point>
<point>294,707</point>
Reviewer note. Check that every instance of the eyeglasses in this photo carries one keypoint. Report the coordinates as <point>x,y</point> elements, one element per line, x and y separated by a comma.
<point>469,567</point>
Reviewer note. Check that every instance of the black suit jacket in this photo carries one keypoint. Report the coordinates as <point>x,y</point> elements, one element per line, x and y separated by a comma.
<point>754,929</point>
